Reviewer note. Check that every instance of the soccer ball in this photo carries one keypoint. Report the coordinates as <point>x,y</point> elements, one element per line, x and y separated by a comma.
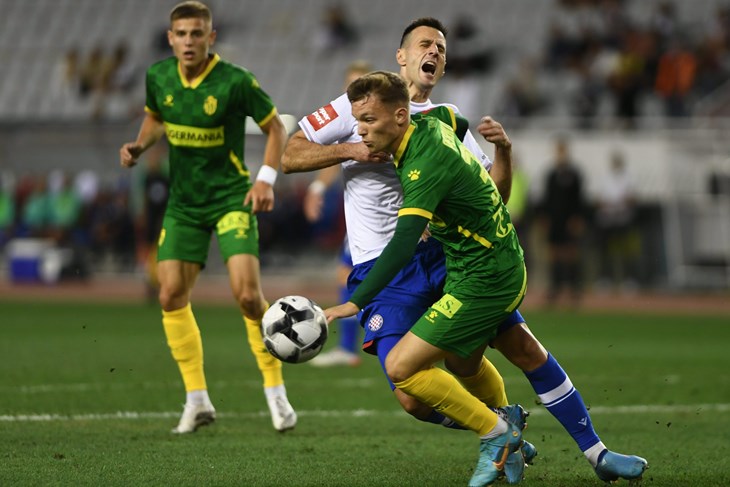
<point>294,329</point>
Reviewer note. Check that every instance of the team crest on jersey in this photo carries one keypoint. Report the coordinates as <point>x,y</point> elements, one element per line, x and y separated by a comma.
<point>210,105</point>
<point>375,323</point>
<point>322,117</point>
<point>168,101</point>
<point>414,174</point>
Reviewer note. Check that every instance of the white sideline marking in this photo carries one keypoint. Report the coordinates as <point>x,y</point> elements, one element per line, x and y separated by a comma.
<point>98,386</point>
<point>354,413</point>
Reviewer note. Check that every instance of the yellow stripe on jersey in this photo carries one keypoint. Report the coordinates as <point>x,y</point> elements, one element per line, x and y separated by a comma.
<point>452,115</point>
<point>186,136</point>
<point>268,117</point>
<point>475,236</point>
<point>402,148</point>
<point>415,211</point>
<point>239,165</point>
<point>199,79</point>
<point>512,306</point>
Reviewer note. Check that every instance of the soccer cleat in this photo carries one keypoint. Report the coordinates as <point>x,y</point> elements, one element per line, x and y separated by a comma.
<point>283,416</point>
<point>514,467</point>
<point>493,454</point>
<point>613,466</point>
<point>335,358</point>
<point>194,416</point>
<point>515,414</point>
<point>529,452</point>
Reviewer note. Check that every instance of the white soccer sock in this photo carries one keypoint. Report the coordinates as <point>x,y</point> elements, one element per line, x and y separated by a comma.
<point>594,452</point>
<point>198,397</point>
<point>275,391</point>
<point>500,428</point>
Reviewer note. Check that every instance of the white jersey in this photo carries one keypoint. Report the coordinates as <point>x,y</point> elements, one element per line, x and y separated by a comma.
<point>372,193</point>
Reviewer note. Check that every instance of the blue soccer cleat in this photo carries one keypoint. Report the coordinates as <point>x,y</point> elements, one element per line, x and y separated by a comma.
<point>493,454</point>
<point>515,414</point>
<point>612,466</point>
<point>514,467</point>
<point>529,452</point>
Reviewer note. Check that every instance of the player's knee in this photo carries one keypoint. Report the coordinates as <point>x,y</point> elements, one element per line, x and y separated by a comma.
<point>172,298</point>
<point>531,354</point>
<point>250,303</point>
<point>396,370</point>
<point>523,350</point>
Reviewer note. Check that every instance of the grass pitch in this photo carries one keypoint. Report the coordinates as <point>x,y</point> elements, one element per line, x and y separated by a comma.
<point>89,393</point>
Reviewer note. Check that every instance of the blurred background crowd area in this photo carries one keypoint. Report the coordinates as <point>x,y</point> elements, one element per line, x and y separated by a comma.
<point>618,110</point>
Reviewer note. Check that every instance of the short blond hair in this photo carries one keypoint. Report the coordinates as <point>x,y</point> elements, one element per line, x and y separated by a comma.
<point>191,9</point>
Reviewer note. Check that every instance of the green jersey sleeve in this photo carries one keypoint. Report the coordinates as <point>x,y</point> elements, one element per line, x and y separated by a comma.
<point>151,96</point>
<point>254,101</point>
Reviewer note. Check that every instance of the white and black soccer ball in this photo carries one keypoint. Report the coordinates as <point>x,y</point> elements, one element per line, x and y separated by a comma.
<point>294,329</point>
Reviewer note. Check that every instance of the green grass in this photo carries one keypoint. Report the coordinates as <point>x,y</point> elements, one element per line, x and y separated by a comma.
<point>86,363</point>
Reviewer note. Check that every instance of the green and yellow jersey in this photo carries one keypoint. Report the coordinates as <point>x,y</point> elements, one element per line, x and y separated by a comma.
<point>444,184</point>
<point>205,127</point>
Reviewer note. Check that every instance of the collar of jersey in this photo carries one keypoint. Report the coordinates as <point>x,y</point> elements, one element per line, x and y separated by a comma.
<point>196,82</point>
<point>404,143</point>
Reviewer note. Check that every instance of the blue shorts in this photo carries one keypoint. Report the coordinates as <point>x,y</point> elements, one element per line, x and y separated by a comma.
<point>394,310</point>
<point>400,304</point>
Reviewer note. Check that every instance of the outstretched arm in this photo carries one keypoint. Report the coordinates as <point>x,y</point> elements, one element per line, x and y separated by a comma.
<point>150,132</point>
<point>395,256</point>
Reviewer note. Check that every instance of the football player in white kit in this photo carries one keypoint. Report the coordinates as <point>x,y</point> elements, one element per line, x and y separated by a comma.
<point>372,199</point>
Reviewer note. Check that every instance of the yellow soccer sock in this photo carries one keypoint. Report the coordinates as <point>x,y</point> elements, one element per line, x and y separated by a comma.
<point>269,365</point>
<point>442,391</point>
<point>487,385</point>
<point>183,338</point>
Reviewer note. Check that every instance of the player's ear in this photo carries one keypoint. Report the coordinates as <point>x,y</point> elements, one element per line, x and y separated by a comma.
<point>169,37</point>
<point>401,115</point>
<point>400,57</point>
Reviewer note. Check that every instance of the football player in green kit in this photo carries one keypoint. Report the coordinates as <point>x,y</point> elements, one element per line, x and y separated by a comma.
<point>444,185</point>
<point>200,103</point>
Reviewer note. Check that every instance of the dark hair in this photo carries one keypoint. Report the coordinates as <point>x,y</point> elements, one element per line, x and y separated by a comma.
<point>388,87</point>
<point>423,22</point>
<point>191,9</point>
